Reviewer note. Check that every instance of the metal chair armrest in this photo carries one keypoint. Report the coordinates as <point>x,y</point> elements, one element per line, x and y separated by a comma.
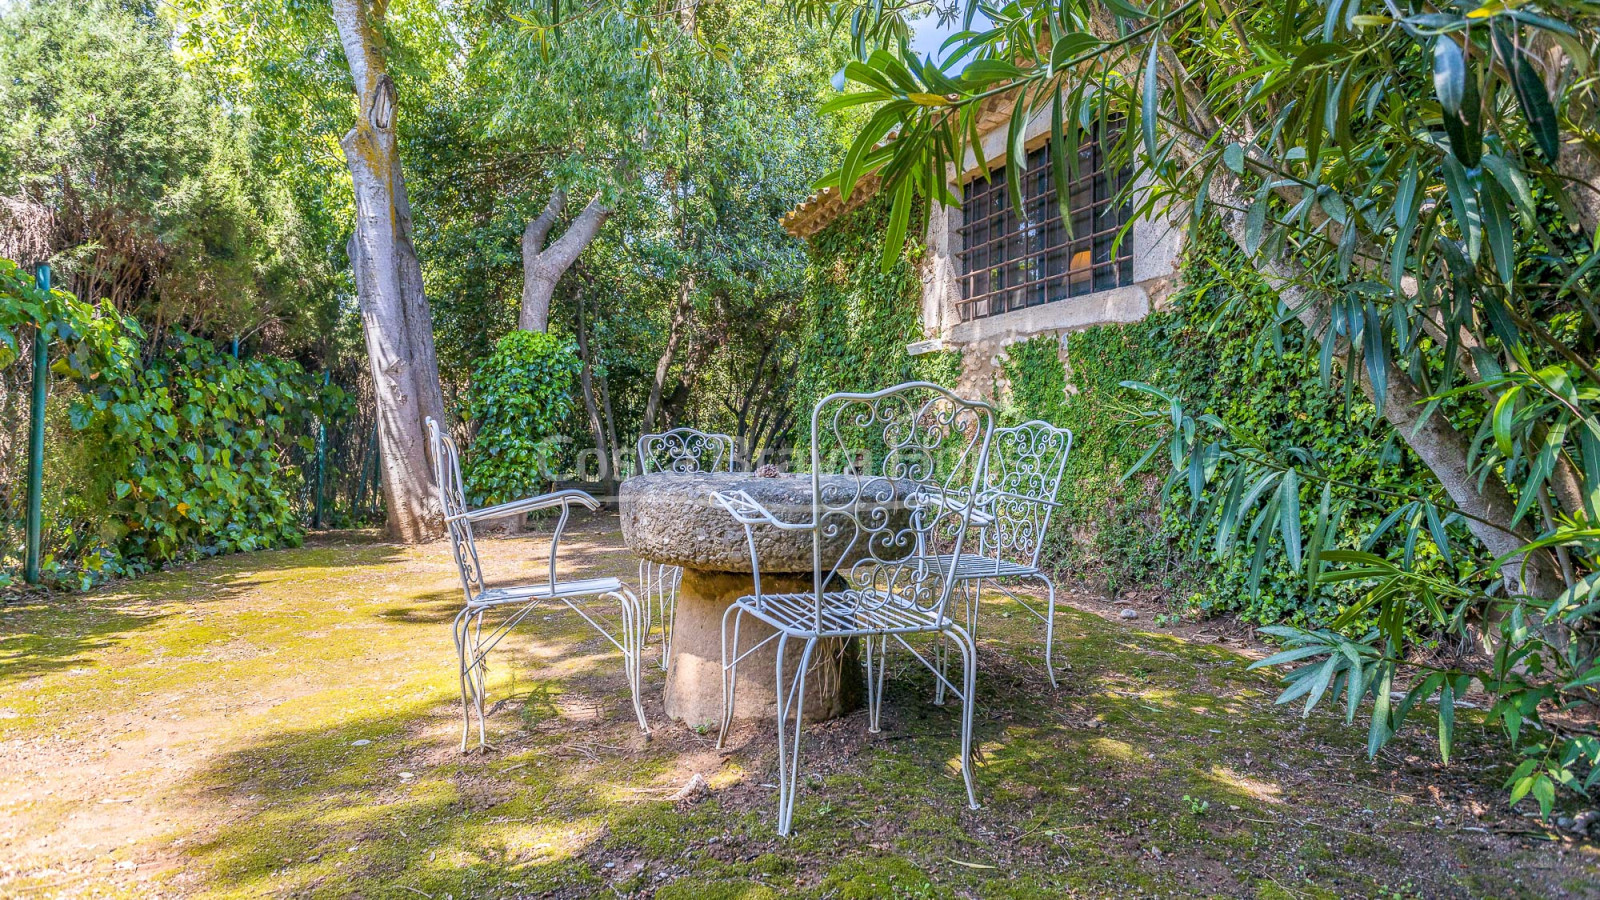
<point>747,510</point>
<point>544,501</point>
<point>957,501</point>
<point>987,497</point>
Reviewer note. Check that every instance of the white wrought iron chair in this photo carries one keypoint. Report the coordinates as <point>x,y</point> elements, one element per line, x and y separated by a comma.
<point>1020,486</point>
<point>472,645</point>
<point>683,451</point>
<point>893,478</point>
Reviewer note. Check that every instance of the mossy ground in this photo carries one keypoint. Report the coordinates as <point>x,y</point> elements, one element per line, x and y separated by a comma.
<point>195,733</point>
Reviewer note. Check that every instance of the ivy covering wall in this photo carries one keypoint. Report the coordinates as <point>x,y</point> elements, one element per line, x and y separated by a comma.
<point>859,318</point>
<point>1203,348</point>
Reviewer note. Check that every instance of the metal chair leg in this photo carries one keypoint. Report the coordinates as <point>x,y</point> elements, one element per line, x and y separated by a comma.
<point>1049,627</point>
<point>974,599</point>
<point>875,675</point>
<point>669,578</point>
<point>459,632</point>
<point>969,665</point>
<point>480,669</point>
<point>730,671</point>
<point>794,699</point>
<point>635,623</point>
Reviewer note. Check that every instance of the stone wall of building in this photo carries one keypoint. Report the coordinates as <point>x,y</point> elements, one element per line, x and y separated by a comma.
<point>1156,245</point>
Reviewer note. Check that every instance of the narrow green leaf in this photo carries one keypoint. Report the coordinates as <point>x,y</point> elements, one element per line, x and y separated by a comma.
<point>1504,411</point>
<point>1536,106</point>
<point>1381,730</point>
<point>1464,204</point>
<point>1449,73</point>
<point>1069,45</point>
<point>1017,151</point>
<point>1499,230</point>
<point>1059,165</point>
<point>899,216</point>
<point>1319,684</point>
<point>1375,353</point>
<point>1152,87</point>
<point>1289,516</point>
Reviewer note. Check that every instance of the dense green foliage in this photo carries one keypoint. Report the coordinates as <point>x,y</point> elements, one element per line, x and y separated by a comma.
<point>858,318</point>
<point>1416,183</point>
<point>521,397</point>
<point>186,456</point>
<point>163,204</point>
<point>1205,349</point>
<point>177,453</point>
<point>126,174</point>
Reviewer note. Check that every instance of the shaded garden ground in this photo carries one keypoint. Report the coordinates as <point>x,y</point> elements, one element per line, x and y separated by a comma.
<point>283,723</point>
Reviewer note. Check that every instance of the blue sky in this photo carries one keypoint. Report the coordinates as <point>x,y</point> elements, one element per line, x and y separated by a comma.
<point>927,35</point>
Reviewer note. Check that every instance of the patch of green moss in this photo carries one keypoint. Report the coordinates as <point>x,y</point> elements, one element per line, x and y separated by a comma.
<point>877,877</point>
<point>698,889</point>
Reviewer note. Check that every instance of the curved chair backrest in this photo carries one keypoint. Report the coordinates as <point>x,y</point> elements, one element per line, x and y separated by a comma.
<point>453,500</point>
<point>894,473</point>
<point>1024,475</point>
<point>685,451</point>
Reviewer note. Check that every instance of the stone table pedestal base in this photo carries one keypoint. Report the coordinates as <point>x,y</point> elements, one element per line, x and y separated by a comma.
<point>694,676</point>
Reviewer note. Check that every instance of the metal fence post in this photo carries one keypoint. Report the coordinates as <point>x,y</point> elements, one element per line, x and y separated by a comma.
<point>41,387</point>
<point>322,459</point>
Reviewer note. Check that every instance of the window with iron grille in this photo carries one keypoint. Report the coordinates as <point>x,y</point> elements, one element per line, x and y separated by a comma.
<point>1010,262</point>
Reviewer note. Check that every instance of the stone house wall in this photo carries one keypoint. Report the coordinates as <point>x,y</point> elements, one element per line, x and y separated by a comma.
<point>1156,244</point>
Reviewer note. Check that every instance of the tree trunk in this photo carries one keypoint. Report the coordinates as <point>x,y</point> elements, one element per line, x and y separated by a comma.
<point>543,266</point>
<point>586,378</point>
<point>394,312</point>
<point>682,318</point>
<point>1579,165</point>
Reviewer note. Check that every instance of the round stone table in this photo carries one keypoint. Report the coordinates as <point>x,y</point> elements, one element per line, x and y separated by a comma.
<point>671,518</point>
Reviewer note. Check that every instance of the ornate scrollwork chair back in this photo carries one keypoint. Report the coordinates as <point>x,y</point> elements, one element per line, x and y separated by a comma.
<point>910,460</point>
<point>894,475</point>
<point>1020,486</point>
<point>453,503</point>
<point>685,451</point>
<point>680,451</point>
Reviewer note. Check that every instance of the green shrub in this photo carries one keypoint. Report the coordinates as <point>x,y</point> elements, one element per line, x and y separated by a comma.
<point>520,397</point>
<point>187,457</point>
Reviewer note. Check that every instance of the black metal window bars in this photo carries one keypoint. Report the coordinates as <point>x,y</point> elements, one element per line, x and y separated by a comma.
<point>1009,263</point>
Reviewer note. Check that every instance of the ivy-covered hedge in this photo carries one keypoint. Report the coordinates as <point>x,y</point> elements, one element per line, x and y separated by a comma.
<point>521,396</point>
<point>161,452</point>
<point>1204,349</point>
<point>859,318</point>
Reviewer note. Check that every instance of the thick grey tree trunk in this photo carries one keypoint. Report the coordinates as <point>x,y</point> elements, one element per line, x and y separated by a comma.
<point>394,311</point>
<point>543,266</point>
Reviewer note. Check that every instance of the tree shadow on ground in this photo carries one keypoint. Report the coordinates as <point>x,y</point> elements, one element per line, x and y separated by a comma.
<point>48,631</point>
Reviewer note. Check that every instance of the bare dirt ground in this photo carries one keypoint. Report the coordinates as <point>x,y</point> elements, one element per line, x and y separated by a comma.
<point>285,724</point>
